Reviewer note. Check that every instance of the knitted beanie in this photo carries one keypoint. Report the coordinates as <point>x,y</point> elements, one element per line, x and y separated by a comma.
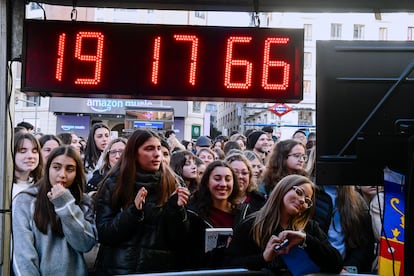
<point>252,139</point>
<point>203,141</point>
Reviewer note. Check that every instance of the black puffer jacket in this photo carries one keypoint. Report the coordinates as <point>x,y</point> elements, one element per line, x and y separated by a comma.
<point>139,240</point>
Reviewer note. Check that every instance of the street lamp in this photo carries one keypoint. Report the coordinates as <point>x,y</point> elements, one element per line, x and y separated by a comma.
<point>35,105</point>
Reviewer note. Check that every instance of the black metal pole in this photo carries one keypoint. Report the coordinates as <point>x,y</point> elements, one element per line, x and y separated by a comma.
<point>409,213</point>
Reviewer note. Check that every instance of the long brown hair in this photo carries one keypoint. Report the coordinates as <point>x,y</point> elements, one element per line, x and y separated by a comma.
<point>92,153</point>
<point>202,199</point>
<point>44,213</point>
<point>105,166</point>
<point>267,219</point>
<point>127,167</point>
<point>240,157</point>
<point>276,167</point>
<point>178,160</point>
<point>19,137</point>
<point>353,210</point>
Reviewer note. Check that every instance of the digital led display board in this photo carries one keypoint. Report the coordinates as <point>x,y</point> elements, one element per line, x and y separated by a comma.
<point>156,125</point>
<point>66,58</point>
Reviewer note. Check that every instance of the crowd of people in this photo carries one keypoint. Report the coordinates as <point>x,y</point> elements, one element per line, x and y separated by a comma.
<point>143,203</point>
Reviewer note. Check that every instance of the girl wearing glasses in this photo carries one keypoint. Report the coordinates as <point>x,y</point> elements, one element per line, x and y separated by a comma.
<point>111,155</point>
<point>248,193</point>
<point>265,238</point>
<point>288,157</point>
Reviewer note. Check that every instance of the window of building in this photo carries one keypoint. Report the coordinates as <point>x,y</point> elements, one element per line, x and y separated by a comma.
<point>32,101</point>
<point>212,108</point>
<point>35,6</point>
<point>307,62</point>
<point>359,31</point>
<point>336,31</point>
<point>383,33</point>
<point>199,14</point>
<point>197,107</point>
<point>305,117</point>
<point>410,34</point>
<point>307,28</point>
<point>306,86</point>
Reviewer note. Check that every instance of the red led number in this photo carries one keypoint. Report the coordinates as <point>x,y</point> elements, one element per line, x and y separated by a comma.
<point>61,51</point>
<point>275,64</point>
<point>193,63</point>
<point>156,60</point>
<point>230,62</point>
<point>194,55</point>
<point>90,58</point>
<point>97,58</point>
<point>267,64</point>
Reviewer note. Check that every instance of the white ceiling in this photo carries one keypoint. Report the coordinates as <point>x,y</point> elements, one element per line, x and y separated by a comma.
<point>251,5</point>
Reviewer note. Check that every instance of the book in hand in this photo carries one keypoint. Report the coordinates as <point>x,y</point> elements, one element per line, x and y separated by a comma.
<point>217,238</point>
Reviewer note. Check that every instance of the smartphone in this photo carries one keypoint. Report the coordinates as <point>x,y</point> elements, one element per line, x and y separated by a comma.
<point>351,269</point>
<point>282,246</point>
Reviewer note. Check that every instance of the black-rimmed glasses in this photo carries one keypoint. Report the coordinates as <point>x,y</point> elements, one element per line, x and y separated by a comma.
<point>115,152</point>
<point>299,156</point>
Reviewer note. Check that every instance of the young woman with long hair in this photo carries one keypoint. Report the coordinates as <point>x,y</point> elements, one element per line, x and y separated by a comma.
<point>248,193</point>
<point>53,221</point>
<point>48,143</point>
<point>28,162</point>
<point>183,164</point>
<point>257,241</point>
<point>98,139</point>
<point>257,166</point>
<point>288,157</point>
<point>344,216</point>
<point>214,205</point>
<point>140,213</point>
<point>110,157</point>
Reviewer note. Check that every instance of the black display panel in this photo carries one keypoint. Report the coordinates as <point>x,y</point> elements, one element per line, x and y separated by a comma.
<point>365,110</point>
<point>63,58</point>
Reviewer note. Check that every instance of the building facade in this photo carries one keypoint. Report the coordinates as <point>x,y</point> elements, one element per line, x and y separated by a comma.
<point>198,118</point>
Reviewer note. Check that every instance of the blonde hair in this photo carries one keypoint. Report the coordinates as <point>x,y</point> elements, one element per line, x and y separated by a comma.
<point>240,157</point>
<point>267,219</point>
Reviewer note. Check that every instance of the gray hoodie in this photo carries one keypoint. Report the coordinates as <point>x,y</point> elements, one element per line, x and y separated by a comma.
<point>38,254</point>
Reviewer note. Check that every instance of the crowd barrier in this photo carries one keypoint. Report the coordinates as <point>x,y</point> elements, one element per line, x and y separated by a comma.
<point>233,272</point>
<point>215,272</point>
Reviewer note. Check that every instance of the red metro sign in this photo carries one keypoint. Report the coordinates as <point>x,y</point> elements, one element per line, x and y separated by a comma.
<point>66,58</point>
<point>280,109</point>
